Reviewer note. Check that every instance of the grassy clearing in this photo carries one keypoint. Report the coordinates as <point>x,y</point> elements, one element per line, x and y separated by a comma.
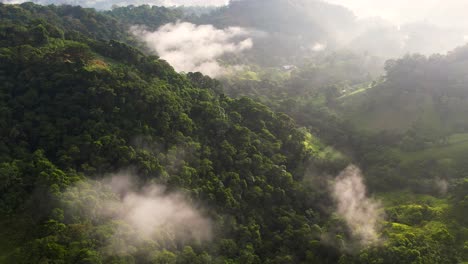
<point>458,138</point>
<point>360,89</point>
<point>97,65</point>
<point>383,109</point>
<point>456,147</point>
<point>400,198</point>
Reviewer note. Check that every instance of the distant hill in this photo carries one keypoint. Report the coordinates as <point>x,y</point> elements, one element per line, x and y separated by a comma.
<point>287,30</point>
<point>430,91</point>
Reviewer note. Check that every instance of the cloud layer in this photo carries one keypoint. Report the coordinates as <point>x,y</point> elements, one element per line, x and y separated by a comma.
<point>143,213</point>
<point>191,48</point>
<point>361,213</point>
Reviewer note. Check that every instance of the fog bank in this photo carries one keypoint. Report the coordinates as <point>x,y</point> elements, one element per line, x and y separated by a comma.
<point>361,213</point>
<point>191,48</point>
<point>145,212</point>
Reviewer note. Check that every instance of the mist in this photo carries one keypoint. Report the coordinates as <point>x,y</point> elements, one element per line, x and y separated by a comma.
<point>395,28</point>
<point>147,212</point>
<point>361,213</point>
<point>442,186</point>
<point>387,29</point>
<point>191,48</point>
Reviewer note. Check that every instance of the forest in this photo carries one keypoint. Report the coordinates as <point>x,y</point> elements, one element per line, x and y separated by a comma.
<point>171,135</point>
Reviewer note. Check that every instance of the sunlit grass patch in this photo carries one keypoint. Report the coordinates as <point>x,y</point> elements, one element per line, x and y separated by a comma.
<point>97,65</point>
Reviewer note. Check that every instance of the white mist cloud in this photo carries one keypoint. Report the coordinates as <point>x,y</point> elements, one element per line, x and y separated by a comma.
<point>442,186</point>
<point>191,48</point>
<point>143,213</point>
<point>318,47</point>
<point>361,213</point>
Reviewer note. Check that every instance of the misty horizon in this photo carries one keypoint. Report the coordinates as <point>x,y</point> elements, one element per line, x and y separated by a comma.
<point>448,13</point>
<point>380,28</point>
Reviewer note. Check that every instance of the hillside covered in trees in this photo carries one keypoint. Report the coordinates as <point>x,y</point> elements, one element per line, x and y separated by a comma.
<point>110,155</point>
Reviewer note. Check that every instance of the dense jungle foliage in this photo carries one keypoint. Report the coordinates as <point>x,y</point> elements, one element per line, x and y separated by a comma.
<point>81,99</point>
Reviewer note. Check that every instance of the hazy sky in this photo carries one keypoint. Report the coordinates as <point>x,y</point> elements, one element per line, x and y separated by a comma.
<point>440,12</point>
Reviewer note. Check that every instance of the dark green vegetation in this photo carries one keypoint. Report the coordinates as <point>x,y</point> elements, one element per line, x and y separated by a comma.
<point>72,109</point>
<point>77,103</point>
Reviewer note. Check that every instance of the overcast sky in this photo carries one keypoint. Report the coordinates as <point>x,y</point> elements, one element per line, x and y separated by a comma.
<point>440,12</point>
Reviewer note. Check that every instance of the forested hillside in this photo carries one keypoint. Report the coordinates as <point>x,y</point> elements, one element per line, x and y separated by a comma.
<point>75,109</point>
<point>108,155</point>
